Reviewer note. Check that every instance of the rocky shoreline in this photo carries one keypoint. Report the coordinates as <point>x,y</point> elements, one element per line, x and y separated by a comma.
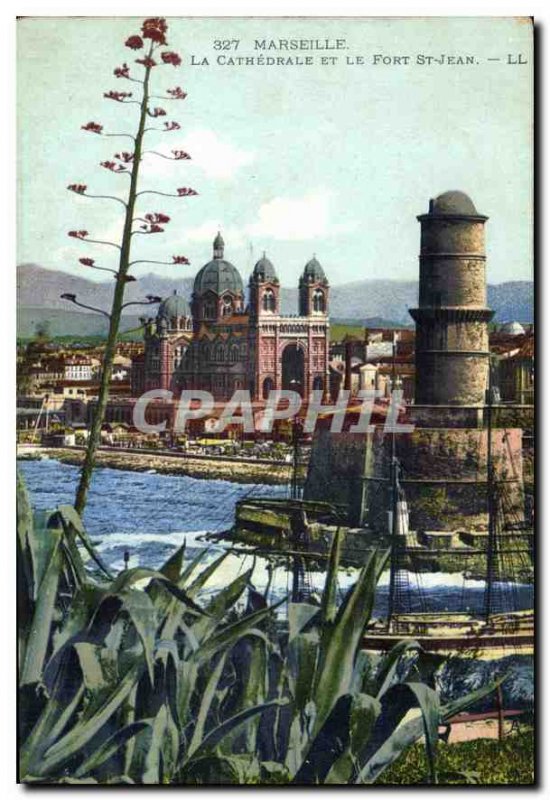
<point>230,470</point>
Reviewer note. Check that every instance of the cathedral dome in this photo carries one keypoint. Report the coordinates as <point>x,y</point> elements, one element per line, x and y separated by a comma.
<point>313,272</point>
<point>218,275</point>
<point>264,270</point>
<point>174,306</point>
<point>453,202</point>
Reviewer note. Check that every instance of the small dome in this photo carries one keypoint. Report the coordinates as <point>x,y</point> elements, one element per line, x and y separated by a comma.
<point>313,271</point>
<point>218,276</point>
<point>174,306</point>
<point>219,243</point>
<point>513,329</point>
<point>264,270</point>
<point>453,203</point>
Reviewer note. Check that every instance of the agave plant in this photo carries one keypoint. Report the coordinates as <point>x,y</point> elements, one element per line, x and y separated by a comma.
<point>144,678</point>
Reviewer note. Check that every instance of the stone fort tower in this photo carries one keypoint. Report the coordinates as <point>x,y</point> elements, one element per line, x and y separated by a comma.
<point>444,458</point>
<point>452,342</point>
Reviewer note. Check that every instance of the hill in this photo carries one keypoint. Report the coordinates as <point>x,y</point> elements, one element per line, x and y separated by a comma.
<point>356,302</point>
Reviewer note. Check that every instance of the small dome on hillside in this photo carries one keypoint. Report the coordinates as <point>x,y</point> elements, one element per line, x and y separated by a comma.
<point>513,329</point>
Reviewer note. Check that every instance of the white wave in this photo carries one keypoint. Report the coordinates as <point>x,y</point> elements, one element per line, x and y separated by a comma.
<point>175,538</point>
<point>434,580</point>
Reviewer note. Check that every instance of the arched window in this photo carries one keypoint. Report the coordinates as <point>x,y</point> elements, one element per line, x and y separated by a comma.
<point>219,352</point>
<point>209,308</point>
<point>318,300</point>
<point>318,383</point>
<point>268,300</point>
<point>227,306</point>
<point>267,387</point>
<point>233,353</point>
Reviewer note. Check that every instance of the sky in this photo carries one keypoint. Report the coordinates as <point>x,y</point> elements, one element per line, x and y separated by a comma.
<point>333,159</point>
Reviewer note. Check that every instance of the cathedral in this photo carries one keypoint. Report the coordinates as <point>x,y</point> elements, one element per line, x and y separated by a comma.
<point>223,341</point>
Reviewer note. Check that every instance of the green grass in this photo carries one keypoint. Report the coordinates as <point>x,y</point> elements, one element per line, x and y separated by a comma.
<point>487,761</point>
<point>338,330</point>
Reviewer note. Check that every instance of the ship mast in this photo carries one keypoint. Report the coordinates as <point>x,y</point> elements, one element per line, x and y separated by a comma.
<point>491,531</point>
<point>393,505</point>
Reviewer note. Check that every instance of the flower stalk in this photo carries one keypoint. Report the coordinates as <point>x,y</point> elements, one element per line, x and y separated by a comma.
<point>156,37</point>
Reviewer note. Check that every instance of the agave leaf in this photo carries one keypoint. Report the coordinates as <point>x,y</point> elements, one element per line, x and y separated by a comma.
<point>85,602</point>
<point>341,641</point>
<point>86,728</point>
<point>302,660</point>
<point>220,604</point>
<point>390,663</point>
<point>214,737</point>
<point>299,614</point>
<point>72,522</point>
<point>197,584</point>
<point>329,605</point>
<point>410,731</point>
<point>205,705</point>
<point>172,567</point>
<point>231,634</point>
<point>428,700</point>
<point>161,757</point>
<point>38,639</point>
<point>49,726</point>
<point>142,612</point>
<point>110,747</point>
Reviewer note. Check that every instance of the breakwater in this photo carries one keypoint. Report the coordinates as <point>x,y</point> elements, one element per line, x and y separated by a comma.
<point>238,470</point>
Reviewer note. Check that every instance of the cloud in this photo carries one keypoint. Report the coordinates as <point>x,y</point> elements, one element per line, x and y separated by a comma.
<point>216,158</point>
<point>299,218</point>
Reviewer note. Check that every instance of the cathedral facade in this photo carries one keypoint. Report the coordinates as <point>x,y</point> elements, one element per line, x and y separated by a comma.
<point>222,341</point>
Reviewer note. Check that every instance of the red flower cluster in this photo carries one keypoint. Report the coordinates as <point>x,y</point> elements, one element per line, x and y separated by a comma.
<point>155,29</point>
<point>78,188</point>
<point>112,166</point>
<point>93,127</point>
<point>152,228</point>
<point>177,93</point>
<point>157,218</point>
<point>78,234</point>
<point>87,262</point>
<point>120,97</point>
<point>124,156</point>
<point>186,192</point>
<point>172,126</point>
<point>134,42</point>
<point>147,61</point>
<point>181,155</point>
<point>156,112</point>
<point>180,260</point>
<point>171,58</point>
<point>122,72</point>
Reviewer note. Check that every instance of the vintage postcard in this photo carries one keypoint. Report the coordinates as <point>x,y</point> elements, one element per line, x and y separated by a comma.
<point>275,401</point>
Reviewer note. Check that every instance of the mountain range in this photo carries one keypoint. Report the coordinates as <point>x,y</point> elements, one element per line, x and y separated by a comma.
<point>39,290</point>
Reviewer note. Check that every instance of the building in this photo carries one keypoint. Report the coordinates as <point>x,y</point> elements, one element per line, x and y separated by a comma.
<point>78,368</point>
<point>443,458</point>
<point>223,340</point>
<point>452,340</point>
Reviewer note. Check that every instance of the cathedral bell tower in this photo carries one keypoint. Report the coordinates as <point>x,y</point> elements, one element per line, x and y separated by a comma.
<point>264,290</point>
<point>313,290</point>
